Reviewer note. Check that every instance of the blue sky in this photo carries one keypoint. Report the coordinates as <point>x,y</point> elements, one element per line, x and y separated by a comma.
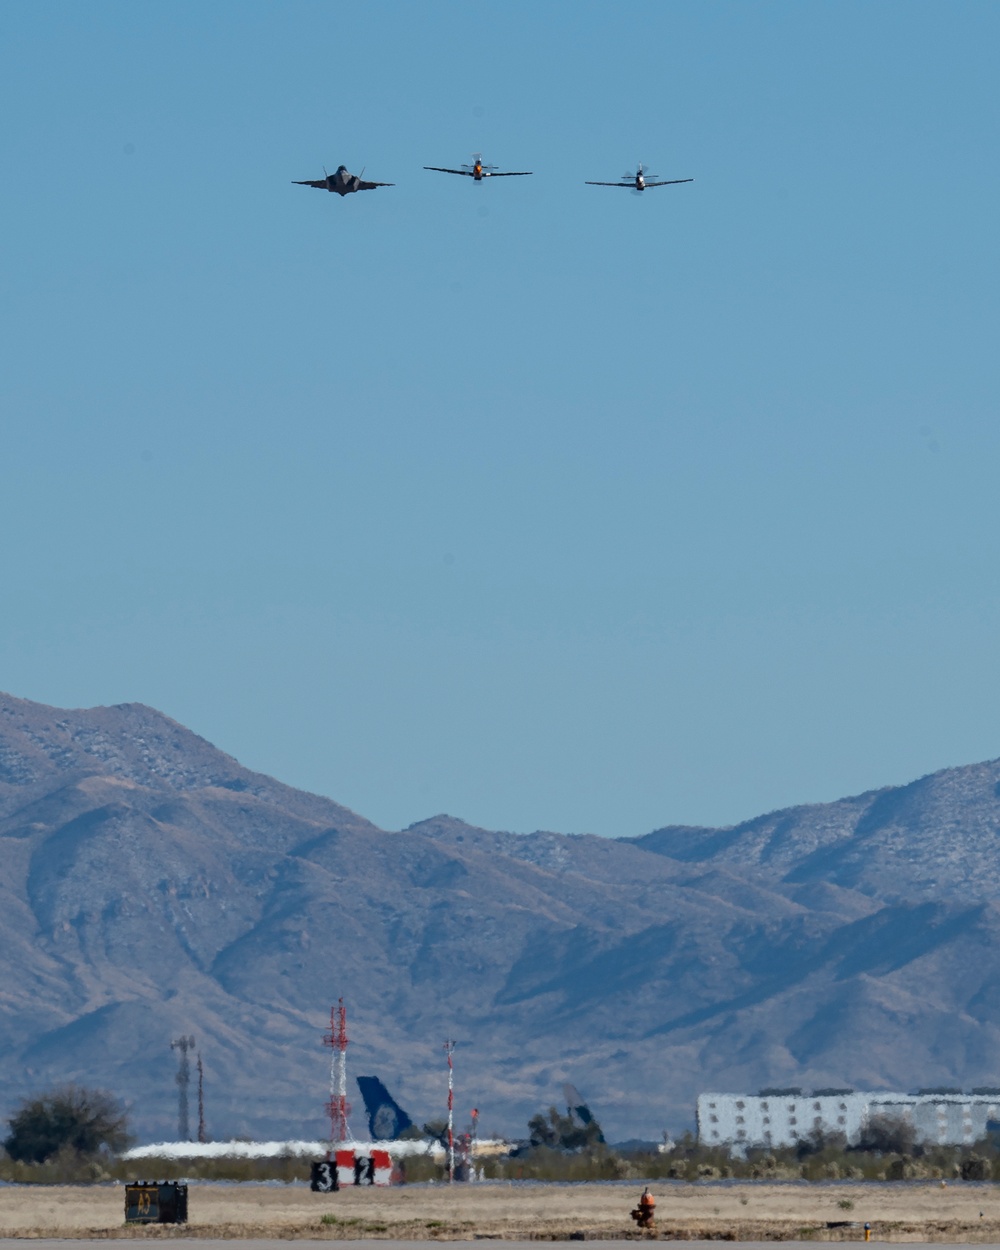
<point>545,505</point>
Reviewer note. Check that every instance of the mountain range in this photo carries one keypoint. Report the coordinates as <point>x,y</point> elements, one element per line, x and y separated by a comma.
<point>152,887</point>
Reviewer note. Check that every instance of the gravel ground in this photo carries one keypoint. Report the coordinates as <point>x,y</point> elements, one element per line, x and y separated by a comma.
<point>921,1212</point>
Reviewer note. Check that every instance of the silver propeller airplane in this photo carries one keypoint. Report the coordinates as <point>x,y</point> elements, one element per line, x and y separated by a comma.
<point>479,171</point>
<point>342,182</point>
<point>640,181</point>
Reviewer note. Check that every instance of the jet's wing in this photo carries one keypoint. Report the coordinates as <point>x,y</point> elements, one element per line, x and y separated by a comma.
<point>611,184</point>
<point>370,186</point>
<point>319,182</point>
<point>669,182</point>
<point>466,173</point>
<point>507,173</point>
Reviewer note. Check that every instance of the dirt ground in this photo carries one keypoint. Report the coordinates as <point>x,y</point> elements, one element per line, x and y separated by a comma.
<point>915,1211</point>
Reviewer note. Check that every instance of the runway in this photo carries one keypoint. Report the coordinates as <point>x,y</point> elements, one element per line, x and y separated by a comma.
<point>284,1243</point>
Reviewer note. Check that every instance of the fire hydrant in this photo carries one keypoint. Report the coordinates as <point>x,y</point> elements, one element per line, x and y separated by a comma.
<point>644,1212</point>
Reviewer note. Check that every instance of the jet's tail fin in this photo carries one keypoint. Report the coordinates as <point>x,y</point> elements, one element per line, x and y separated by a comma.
<point>386,1118</point>
<point>576,1106</point>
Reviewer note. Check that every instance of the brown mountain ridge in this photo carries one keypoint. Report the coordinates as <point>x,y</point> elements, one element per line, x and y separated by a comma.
<point>151,886</point>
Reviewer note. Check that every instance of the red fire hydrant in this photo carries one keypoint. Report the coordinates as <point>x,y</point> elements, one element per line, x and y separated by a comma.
<point>644,1212</point>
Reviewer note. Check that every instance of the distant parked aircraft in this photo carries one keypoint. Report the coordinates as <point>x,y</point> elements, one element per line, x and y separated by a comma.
<point>386,1118</point>
<point>576,1106</point>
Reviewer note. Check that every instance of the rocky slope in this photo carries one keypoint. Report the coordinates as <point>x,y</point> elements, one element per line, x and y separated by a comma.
<point>150,885</point>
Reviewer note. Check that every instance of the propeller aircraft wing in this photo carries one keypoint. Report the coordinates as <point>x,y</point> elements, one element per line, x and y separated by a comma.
<point>479,170</point>
<point>630,183</point>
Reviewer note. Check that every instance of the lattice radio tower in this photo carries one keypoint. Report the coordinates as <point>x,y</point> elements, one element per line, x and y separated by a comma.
<point>201,1101</point>
<point>338,1107</point>
<point>183,1079</point>
<point>449,1050</point>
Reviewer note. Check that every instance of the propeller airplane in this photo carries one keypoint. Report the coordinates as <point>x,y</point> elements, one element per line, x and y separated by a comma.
<point>641,181</point>
<point>479,171</point>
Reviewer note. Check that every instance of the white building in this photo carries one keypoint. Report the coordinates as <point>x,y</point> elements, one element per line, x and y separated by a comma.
<point>776,1117</point>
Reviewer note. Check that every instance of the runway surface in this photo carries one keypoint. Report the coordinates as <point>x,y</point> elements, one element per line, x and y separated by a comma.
<point>275,1243</point>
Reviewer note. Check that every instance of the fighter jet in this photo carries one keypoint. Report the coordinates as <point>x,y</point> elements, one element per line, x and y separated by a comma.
<point>342,182</point>
<point>479,171</point>
<point>641,181</point>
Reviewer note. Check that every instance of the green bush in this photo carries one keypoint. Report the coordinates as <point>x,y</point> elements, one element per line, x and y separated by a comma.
<point>87,1122</point>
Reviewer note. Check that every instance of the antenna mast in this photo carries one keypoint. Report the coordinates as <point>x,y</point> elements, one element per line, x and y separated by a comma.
<point>449,1050</point>
<point>338,1107</point>
<point>201,1101</point>
<point>183,1079</point>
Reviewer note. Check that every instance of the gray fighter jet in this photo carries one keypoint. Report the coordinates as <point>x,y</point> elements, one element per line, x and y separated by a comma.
<point>479,171</point>
<point>342,182</point>
<point>641,181</point>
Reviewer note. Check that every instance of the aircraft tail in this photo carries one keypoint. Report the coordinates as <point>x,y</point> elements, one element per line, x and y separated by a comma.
<point>386,1118</point>
<point>576,1106</point>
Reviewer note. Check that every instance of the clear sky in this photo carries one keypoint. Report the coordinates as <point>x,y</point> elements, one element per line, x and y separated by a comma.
<point>544,505</point>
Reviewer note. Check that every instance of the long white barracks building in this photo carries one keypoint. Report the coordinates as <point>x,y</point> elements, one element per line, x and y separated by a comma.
<point>782,1117</point>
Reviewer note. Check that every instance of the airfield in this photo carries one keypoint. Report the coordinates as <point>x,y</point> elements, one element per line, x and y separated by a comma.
<point>264,1214</point>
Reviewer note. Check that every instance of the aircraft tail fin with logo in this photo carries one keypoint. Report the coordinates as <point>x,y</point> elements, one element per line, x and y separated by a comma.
<point>386,1118</point>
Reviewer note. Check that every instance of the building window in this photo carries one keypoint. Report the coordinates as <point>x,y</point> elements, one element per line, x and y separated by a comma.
<point>792,1120</point>
<point>763,1106</point>
<point>818,1122</point>
<point>713,1119</point>
<point>843,1106</point>
<point>739,1119</point>
<point>712,1105</point>
<point>791,1106</point>
<point>767,1119</point>
<point>817,1107</point>
<point>741,1132</point>
<point>739,1106</point>
<point>841,1119</point>
<point>715,1132</point>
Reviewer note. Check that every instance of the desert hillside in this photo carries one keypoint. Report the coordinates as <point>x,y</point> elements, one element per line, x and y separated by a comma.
<point>151,886</point>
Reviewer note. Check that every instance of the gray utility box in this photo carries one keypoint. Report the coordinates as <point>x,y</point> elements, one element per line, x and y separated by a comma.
<point>156,1202</point>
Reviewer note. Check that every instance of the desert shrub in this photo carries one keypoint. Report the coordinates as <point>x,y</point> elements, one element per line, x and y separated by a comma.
<point>66,1167</point>
<point>285,1168</point>
<point>415,1169</point>
<point>88,1122</point>
<point>543,1163</point>
<point>975,1168</point>
<point>821,1141</point>
<point>887,1134</point>
<point>901,1169</point>
<point>563,1132</point>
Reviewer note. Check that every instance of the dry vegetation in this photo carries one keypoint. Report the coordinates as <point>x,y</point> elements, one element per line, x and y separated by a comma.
<point>957,1212</point>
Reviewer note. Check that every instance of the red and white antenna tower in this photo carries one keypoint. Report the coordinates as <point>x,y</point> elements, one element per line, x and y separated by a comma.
<point>338,1106</point>
<point>449,1050</point>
